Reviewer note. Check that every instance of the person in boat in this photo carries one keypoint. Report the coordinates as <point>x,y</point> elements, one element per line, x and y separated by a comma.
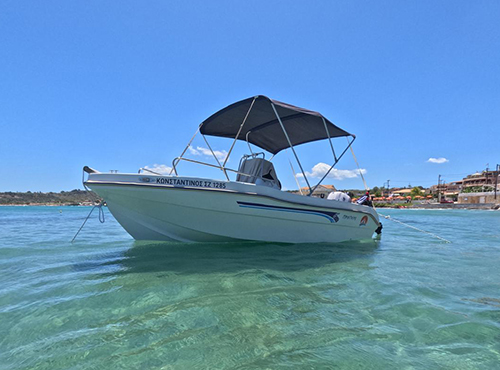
<point>365,200</point>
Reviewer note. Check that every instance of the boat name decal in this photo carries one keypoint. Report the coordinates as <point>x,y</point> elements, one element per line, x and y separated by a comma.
<point>347,217</point>
<point>185,182</point>
<point>333,217</point>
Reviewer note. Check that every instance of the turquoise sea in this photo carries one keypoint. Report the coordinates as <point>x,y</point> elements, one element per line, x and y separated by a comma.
<point>407,301</point>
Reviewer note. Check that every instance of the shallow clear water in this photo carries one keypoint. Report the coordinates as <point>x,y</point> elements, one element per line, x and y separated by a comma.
<point>407,301</point>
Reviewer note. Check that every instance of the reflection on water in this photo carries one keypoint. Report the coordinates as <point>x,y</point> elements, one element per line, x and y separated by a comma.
<point>206,258</point>
<point>234,257</point>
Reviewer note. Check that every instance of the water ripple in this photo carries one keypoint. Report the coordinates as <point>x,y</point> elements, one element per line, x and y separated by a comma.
<point>407,301</point>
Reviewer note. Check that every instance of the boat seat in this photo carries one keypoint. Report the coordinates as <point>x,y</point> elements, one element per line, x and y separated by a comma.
<point>258,171</point>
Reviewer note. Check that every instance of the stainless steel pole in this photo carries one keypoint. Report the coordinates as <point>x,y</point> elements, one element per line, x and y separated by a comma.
<point>439,188</point>
<point>185,149</point>
<point>329,138</point>
<point>291,146</point>
<point>217,159</point>
<point>496,180</point>
<point>333,165</point>
<point>238,134</point>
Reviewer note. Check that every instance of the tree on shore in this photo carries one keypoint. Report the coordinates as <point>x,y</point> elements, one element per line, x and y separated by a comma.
<point>376,192</point>
<point>416,191</point>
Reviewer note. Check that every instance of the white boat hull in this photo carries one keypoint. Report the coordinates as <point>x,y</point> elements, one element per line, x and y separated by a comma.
<point>186,209</point>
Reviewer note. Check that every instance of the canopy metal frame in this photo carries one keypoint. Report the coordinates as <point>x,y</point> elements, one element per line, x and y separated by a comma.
<point>291,146</point>
<point>333,165</point>
<point>224,169</point>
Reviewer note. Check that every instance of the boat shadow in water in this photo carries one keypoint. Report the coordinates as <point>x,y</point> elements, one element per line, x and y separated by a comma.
<point>204,258</point>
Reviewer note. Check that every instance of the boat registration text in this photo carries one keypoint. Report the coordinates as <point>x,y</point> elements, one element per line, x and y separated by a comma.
<point>194,183</point>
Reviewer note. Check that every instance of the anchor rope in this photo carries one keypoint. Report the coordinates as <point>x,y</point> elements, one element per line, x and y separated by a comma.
<point>415,228</point>
<point>101,218</point>
<point>101,211</point>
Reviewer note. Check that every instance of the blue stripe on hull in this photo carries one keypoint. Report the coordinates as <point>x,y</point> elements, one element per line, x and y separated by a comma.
<point>330,216</point>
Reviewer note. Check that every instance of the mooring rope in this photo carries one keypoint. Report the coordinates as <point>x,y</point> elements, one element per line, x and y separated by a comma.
<point>101,218</point>
<point>415,228</point>
<point>359,169</point>
<point>293,172</point>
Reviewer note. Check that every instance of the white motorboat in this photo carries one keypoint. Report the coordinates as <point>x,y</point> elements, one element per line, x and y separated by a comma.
<point>152,206</point>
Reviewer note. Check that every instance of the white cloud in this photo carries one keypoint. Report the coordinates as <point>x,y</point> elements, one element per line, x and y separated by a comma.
<point>437,160</point>
<point>220,154</point>
<point>159,168</point>
<point>319,170</point>
<point>193,151</point>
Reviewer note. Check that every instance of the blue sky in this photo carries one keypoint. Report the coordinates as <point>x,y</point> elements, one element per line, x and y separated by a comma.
<point>122,85</point>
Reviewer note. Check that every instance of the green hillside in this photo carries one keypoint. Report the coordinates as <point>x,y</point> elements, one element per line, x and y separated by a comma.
<point>73,197</point>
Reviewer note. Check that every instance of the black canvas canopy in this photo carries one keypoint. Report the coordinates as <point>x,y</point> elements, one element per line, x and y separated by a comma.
<point>262,128</point>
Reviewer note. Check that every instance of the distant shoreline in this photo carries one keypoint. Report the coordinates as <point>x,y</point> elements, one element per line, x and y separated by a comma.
<point>83,198</point>
<point>75,197</point>
<point>486,206</point>
<point>435,206</point>
<point>47,205</point>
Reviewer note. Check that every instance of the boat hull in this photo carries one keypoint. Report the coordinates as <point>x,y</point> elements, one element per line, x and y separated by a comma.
<point>217,211</point>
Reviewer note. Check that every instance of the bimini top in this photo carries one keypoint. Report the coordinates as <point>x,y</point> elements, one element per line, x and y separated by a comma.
<point>263,128</point>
